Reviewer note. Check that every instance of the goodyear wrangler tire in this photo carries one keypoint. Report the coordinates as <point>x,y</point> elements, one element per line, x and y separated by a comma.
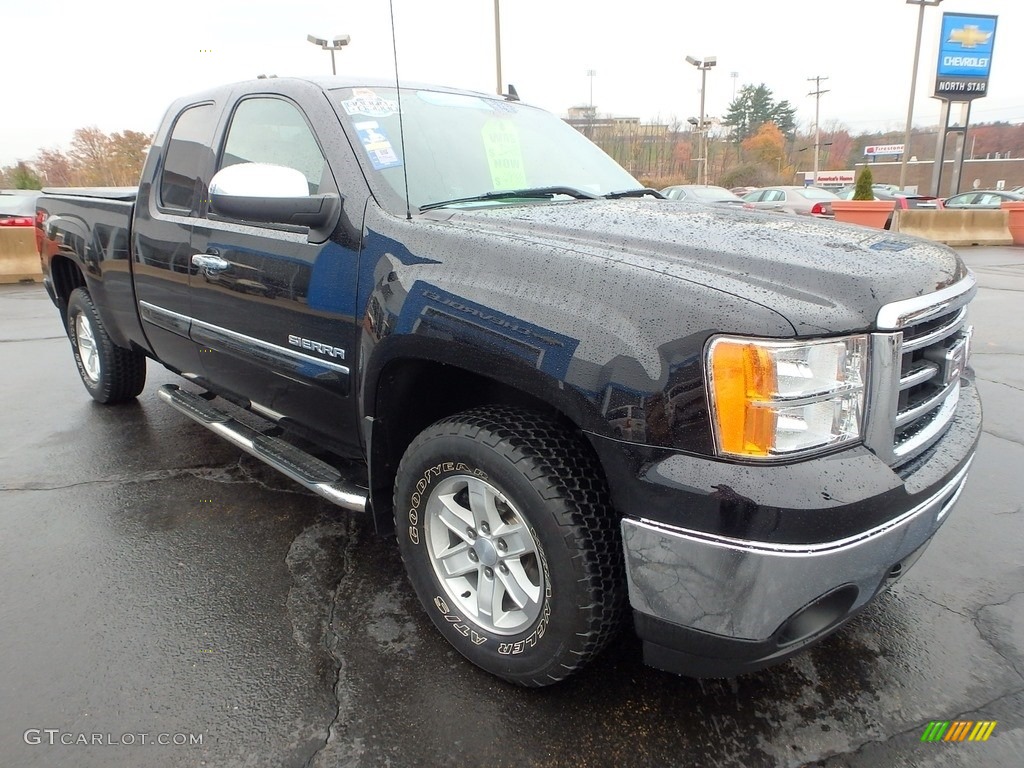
<point>511,545</point>
<point>110,373</point>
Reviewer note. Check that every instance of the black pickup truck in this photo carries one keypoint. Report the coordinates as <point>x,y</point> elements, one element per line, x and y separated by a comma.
<point>566,392</point>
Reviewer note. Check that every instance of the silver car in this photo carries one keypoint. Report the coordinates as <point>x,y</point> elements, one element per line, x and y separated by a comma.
<point>701,193</point>
<point>801,201</point>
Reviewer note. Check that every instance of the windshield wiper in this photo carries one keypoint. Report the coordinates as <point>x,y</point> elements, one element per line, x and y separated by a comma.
<point>512,194</point>
<point>642,192</point>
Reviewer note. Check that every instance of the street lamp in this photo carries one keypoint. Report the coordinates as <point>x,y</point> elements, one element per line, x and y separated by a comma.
<point>334,45</point>
<point>703,65</point>
<point>922,4</point>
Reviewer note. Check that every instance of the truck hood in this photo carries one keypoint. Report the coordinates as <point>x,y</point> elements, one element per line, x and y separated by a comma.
<point>821,276</point>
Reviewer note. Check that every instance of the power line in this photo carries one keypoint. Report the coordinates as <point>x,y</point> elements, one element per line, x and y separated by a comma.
<point>817,93</point>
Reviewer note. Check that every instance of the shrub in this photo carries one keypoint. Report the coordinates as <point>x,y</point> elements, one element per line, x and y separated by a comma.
<point>863,189</point>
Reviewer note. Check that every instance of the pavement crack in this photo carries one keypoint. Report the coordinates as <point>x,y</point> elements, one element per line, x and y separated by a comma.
<point>1002,383</point>
<point>933,601</point>
<point>987,634</point>
<point>333,642</point>
<point>236,472</point>
<point>34,338</point>
<point>919,727</point>
<point>1003,437</point>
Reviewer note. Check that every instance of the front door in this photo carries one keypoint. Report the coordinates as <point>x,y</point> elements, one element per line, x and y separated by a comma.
<point>272,311</point>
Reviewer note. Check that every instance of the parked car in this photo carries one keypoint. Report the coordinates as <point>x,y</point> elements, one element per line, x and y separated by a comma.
<point>18,208</point>
<point>802,201</point>
<point>741,191</point>
<point>986,198</point>
<point>436,344</point>
<point>701,193</point>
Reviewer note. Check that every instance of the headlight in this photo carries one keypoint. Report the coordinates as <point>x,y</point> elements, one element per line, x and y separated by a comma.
<point>772,399</point>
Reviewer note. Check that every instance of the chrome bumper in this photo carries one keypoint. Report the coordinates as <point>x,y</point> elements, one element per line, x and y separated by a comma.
<point>749,589</point>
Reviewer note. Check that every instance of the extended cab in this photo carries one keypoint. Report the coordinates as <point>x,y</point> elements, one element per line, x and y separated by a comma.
<point>566,392</point>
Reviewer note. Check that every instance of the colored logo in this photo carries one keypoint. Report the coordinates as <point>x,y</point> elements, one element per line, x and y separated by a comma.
<point>969,36</point>
<point>958,730</point>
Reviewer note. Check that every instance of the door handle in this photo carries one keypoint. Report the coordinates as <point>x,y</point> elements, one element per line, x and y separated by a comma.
<point>209,261</point>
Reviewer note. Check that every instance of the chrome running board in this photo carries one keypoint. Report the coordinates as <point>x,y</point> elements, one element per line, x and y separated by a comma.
<point>304,468</point>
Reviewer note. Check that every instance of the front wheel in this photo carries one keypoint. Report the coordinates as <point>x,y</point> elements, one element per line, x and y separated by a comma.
<point>510,543</point>
<point>110,373</point>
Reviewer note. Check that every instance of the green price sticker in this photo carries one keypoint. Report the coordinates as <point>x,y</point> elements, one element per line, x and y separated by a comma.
<point>504,156</point>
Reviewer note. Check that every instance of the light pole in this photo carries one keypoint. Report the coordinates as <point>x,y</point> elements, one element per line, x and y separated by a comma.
<point>913,87</point>
<point>497,42</point>
<point>334,45</point>
<point>703,65</point>
<point>591,73</point>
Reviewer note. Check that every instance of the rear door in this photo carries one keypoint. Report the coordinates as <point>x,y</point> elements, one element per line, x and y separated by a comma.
<point>274,314</point>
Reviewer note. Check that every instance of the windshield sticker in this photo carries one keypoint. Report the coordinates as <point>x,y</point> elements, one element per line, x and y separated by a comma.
<point>382,155</point>
<point>504,155</point>
<point>366,103</point>
<point>439,99</point>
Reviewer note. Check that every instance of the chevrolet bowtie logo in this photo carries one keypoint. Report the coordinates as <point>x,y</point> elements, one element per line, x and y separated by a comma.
<point>969,36</point>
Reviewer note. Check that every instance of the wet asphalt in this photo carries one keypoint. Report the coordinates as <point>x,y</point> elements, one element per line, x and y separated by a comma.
<point>157,584</point>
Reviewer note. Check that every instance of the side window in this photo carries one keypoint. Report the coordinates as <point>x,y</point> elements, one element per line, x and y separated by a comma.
<point>189,142</point>
<point>267,130</point>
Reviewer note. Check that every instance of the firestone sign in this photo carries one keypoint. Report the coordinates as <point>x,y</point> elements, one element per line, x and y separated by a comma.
<point>883,149</point>
<point>965,56</point>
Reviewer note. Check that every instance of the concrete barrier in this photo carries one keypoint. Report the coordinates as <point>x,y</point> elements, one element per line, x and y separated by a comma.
<point>19,259</point>
<point>955,226</point>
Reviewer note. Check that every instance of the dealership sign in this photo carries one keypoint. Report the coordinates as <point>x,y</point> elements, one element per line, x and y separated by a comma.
<point>831,178</point>
<point>883,149</point>
<point>965,56</point>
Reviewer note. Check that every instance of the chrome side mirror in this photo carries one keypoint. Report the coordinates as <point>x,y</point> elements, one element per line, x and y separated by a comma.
<point>271,194</point>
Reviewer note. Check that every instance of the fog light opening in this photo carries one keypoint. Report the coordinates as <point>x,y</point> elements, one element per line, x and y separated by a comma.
<point>818,616</point>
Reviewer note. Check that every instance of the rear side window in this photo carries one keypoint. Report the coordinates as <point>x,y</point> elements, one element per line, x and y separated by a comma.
<point>189,142</point>
<point>267,130</point>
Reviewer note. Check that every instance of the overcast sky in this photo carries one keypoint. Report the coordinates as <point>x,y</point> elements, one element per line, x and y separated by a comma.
<point>116,64</point>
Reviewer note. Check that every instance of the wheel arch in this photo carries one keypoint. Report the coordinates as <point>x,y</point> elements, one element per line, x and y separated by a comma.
<point>410,391</point>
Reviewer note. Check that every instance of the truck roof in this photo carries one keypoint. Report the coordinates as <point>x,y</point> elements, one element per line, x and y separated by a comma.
<point>328,83</point>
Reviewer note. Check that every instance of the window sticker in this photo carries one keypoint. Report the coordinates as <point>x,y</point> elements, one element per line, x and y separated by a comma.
<point>504,155</point>
<point>382,155</point>
<point>366,103</point>
<point>440,99</point>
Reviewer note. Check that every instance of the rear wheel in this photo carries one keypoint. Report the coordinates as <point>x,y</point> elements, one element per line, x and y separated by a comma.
<point>510,543</point>
<point>110,373</point>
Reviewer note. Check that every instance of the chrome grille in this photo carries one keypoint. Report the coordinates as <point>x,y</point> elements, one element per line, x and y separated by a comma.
<point>918,370</point>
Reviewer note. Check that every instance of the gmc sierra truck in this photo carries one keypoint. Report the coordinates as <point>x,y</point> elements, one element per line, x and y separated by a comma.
<point>576,402</point>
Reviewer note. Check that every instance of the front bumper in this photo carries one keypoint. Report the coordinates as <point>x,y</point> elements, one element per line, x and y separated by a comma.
<point>707,604</point>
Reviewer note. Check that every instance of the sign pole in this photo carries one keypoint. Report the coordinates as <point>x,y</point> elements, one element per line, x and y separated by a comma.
<point>958,156</point>
<point>940,148</point>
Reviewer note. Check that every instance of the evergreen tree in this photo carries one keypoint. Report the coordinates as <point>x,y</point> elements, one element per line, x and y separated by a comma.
<point>863,190</point>
<point>754,106</point>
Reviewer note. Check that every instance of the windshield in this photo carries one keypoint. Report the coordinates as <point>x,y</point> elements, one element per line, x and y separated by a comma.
<point>459,146</point>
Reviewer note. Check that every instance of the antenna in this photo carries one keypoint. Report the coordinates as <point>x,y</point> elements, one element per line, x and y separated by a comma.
<point>401,126</point>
